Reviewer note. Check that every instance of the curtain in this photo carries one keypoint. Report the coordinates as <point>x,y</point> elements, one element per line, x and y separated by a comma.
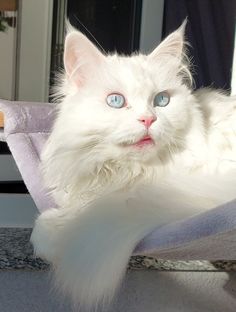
<point>210,32</point>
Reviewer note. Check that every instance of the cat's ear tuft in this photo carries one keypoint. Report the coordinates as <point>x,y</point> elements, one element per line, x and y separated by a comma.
<point>173,45</point>
<point>81,57</point>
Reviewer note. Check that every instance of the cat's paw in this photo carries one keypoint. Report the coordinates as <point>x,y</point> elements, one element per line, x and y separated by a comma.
<point>43,235</point>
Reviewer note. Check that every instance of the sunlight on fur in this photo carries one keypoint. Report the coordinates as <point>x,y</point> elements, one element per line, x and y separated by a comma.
<point>117,173</point>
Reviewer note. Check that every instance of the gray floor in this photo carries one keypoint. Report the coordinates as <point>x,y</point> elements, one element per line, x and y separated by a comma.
<point>144,291</point>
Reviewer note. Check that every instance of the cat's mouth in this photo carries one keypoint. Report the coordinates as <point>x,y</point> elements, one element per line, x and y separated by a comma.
<point>145,141</point>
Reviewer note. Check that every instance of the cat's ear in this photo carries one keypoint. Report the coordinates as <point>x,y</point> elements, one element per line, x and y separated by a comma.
<point>81,57</point>
<point>173,45</point>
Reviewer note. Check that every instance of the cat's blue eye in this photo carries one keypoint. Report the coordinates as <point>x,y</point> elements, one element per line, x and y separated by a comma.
<point>116,100</point>
<point>161,99</point>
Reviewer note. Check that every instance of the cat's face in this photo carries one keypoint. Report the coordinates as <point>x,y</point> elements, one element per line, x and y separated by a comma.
<point>121,107</point>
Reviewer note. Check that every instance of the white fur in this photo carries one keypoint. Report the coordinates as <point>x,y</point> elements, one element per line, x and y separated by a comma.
<point>98,178</point>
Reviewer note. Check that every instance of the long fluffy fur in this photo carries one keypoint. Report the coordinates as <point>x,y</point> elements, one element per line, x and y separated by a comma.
<point>90,248</point>
<point>110,195</point>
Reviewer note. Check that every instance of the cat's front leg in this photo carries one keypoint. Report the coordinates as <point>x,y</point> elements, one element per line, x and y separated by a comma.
<point>46,231</point>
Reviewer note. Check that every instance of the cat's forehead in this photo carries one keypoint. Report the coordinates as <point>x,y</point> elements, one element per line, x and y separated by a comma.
<point>128,73</point>
<point>136,63</point>
<point>137,71</point>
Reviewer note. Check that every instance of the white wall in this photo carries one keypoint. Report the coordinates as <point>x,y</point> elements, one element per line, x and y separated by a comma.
<point>35,25</point>
<point>25,53</point>
<point>7,63</point>
<point>151,24</point>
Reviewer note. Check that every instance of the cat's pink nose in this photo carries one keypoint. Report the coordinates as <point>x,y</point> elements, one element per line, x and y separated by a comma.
<point>147,121</point>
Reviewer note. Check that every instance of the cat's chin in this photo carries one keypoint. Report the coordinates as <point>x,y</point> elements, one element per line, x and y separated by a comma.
<point>142,151</point>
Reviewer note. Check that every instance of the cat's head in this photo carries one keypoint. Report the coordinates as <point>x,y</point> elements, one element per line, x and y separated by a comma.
<point>132,108</point>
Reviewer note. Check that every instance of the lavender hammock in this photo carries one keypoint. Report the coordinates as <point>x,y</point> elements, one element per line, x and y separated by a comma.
<point>209,236</point>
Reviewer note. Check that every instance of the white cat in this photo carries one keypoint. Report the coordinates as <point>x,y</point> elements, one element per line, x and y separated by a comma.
<point>132,148</point>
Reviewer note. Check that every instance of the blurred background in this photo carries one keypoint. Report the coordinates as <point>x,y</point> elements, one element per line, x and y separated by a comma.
<point>31,52</point>
<point>32,36</point>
